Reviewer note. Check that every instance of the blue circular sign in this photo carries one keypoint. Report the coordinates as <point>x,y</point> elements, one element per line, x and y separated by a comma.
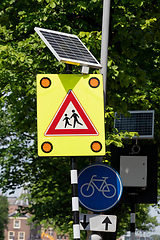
<point>99,187</point>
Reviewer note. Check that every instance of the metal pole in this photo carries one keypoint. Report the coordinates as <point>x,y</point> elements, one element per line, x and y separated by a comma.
<point>104,43</point>
<point>132,221</point>
<point>104,52</point>
<point>74,184</point>
<point>75,202</point>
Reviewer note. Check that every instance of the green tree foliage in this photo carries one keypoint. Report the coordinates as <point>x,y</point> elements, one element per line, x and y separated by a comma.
<point>4,215</point>
<point>133,83</point>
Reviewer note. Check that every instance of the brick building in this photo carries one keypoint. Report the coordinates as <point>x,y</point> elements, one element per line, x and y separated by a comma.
<point>18,227</point>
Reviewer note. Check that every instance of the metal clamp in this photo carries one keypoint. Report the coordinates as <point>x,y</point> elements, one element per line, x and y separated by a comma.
<point>136,148</point>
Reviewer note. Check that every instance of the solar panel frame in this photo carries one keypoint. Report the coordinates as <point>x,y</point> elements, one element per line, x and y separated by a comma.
<point>69,42</point>
<point>140,121</point>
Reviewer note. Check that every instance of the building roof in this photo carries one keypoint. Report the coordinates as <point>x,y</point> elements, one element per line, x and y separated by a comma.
<point>13,214</point>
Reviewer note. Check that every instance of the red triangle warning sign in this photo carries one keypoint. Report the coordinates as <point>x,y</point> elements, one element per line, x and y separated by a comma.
<point>71,119</point>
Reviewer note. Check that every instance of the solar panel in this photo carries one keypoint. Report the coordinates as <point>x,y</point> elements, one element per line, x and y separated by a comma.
<point>140,121</point>
<point>68,48</point>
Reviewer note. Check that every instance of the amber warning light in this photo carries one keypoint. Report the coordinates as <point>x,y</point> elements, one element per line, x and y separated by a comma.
<point>45,82</point>
<point>94,82</point>
<point>47,147</point>
<point>96,146</point>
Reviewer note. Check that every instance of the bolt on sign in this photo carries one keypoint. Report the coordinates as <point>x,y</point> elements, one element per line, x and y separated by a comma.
<point>70,115</point>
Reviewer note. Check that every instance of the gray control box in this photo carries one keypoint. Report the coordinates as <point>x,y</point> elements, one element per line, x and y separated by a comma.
<point>133,171</point>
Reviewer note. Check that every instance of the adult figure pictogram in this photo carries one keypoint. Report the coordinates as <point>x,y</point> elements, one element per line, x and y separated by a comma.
<point>75,117</point>
<point>66,119</point>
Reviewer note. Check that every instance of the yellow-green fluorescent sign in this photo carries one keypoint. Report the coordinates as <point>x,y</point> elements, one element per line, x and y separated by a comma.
<point>70,115</point>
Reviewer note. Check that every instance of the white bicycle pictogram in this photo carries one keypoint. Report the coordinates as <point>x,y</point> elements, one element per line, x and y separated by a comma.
<point>107,189</point>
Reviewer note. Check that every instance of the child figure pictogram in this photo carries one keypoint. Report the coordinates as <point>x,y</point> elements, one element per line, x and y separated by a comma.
<point>66,119</point>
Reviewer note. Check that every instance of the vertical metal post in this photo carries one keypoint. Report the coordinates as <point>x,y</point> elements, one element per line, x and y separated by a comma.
<point>133,218</point>
<point>104,43</point>
<point>74,184</point>
<point>75,202</point>
<point>104,51</point>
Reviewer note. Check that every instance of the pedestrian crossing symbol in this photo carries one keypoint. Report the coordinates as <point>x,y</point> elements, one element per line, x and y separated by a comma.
<point>70,115</point>
<point>70,119</point>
